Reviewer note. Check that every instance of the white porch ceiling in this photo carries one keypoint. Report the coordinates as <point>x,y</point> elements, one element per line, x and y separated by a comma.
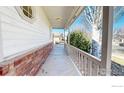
<point>58,15</point>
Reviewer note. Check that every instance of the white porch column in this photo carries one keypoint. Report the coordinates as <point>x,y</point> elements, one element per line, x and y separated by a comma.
<point>1,43</point>
<point>50,31</point>
<point>51,35</point>
<point>107,40</point>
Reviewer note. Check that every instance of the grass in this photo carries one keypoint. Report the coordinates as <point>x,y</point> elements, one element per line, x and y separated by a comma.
<point>118,60</point>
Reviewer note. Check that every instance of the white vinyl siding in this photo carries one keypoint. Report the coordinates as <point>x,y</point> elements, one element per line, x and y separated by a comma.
<point>18,34</point>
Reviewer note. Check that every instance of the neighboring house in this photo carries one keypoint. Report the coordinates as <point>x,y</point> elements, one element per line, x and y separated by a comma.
<point>118,37</point>
<point>58,37</point>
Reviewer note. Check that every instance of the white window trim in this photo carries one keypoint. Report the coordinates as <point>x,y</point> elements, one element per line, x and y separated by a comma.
<point>23,16</point>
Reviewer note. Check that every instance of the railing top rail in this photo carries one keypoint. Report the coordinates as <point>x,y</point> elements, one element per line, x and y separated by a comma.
<point>86,54</point>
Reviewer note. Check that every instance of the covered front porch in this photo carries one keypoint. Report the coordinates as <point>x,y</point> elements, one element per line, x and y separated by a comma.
<point>45,58</point>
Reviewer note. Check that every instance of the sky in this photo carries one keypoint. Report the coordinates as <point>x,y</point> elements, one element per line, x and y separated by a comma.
<point>58,30</point>
<point>119,23</point>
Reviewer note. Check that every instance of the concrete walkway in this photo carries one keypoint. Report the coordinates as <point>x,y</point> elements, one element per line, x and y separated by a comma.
<point>58,64</point>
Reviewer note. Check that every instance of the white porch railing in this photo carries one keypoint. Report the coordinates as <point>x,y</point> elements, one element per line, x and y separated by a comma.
<point>87,64</point>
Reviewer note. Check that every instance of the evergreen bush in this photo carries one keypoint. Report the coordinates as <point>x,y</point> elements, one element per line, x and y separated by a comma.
<point>80,40</point>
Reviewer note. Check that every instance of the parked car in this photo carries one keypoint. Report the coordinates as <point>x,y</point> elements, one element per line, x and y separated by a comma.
<point>57,42</point>
<point>121,44</point>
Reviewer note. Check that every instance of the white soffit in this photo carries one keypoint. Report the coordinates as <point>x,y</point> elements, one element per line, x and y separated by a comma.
<point>58,15</point>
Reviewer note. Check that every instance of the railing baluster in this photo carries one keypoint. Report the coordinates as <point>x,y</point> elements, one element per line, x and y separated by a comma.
<point>90,67</point>
<point>78,61</point>
<point>77,58</point>
<point>83,65</point>
<point>86,63</point>
<point>80,64</point>
<point>98,69</point>
<point>87,66</point>
<point>93,68</point>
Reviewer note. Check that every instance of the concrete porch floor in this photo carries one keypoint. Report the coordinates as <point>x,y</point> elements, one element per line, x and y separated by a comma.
<point>58,64</point>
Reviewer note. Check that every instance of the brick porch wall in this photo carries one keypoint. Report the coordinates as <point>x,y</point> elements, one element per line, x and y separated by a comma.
<point>26,64</point>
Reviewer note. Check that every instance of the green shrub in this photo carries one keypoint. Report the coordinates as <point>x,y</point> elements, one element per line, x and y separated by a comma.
<point>80,40</point>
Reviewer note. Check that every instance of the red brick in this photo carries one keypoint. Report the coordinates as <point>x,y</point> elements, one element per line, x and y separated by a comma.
<point>19,61</point>
<point>4,70</point>
<point>29,64</point>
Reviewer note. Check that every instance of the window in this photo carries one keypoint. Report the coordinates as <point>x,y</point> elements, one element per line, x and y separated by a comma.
<point>27,10</point>
<point>118,36</point>
<point>27,13</point>
<point>90,23</point>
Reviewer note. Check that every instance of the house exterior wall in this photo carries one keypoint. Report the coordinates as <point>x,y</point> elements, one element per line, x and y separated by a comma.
<point>56,40</point>
<point>18,35</point>
<point>27,64</point>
